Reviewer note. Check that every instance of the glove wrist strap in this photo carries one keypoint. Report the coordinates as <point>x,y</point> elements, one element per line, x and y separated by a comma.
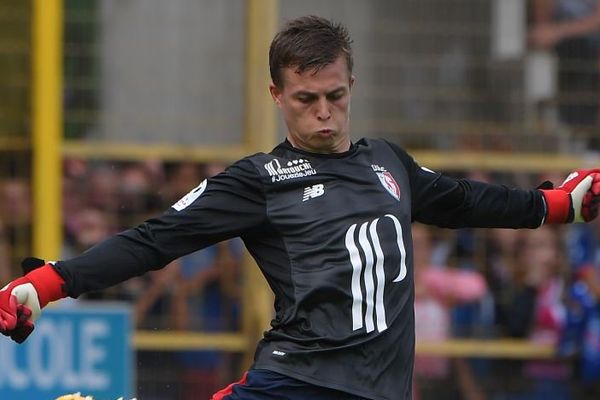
<point>558,203</point>
<point>48,284</point>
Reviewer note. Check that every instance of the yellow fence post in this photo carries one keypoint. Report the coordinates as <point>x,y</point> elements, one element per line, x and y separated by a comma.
<point>47,125</point>
<point>260,134</point>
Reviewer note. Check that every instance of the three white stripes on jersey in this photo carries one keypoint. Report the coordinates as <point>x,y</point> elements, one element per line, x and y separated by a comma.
<point>374,258</point>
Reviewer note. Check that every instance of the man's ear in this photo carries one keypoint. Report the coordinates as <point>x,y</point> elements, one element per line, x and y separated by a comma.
<point>275,94</point>
<point>352,79</point>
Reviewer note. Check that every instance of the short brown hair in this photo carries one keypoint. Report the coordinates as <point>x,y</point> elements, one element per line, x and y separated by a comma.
<point>308,43</point>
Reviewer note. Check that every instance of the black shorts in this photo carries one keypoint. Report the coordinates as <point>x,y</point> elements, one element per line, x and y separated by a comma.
<point>261,384</point>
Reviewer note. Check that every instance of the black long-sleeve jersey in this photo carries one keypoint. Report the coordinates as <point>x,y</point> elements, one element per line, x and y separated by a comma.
<point>332,235</point>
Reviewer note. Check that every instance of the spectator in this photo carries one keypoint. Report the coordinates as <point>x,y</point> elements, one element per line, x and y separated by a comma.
<point>500,265</point>
<point>72,205</point>
<point>207,299</point>
<point>204,302</point>
<point>91,226</point>
<point>537,309</point>
<point>182,177</point>
<point>572,29</point>
<point>137,194</point>
<point>581,337</point>
<point>437,290</point>
<point>15,212</point>
<point>102,188</point>
<point>152,308</point>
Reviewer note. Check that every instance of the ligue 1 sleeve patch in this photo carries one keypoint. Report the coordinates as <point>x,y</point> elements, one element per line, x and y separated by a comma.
<point>190,197</point>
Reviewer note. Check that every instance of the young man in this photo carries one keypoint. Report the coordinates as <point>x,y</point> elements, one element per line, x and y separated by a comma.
<point>328,221</point>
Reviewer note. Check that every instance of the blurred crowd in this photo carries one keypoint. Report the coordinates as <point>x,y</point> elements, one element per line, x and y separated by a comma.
<point>539,285</point>
<point>199,292</point>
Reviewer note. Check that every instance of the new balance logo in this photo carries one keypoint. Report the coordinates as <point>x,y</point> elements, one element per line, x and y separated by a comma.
<point>313,191</point>
<point>368,273</point>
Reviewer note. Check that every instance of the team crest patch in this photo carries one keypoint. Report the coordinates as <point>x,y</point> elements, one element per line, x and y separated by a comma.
<point>387,181</point>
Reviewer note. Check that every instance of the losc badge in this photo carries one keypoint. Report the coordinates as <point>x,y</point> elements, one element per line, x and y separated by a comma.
<point>387,181</point>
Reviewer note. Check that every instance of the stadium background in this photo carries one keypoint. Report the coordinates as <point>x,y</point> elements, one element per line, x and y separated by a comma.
<point>104,104</point>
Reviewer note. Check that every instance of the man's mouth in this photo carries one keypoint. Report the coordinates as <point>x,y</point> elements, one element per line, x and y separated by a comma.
<point>325,132</point>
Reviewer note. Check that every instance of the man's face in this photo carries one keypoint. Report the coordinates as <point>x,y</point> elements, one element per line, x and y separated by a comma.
<point>316,107</point>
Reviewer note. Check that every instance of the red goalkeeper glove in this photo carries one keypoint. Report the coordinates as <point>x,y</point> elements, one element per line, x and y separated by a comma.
<point>22,300</point>
<point>576,200</point>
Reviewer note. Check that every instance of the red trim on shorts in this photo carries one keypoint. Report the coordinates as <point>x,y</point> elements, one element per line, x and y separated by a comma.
<point>221,394</point>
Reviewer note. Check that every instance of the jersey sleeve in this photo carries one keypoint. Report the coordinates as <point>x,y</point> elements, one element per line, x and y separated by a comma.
<point>459,203</point>
<point>228,205</point>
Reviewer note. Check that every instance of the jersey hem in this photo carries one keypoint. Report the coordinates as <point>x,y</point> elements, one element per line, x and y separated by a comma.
<point>317,382</point>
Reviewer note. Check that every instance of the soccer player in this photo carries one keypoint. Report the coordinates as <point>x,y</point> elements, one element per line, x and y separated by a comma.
<point>328,221</point>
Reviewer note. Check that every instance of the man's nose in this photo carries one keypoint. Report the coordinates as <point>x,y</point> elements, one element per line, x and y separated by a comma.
<point>323,112</point>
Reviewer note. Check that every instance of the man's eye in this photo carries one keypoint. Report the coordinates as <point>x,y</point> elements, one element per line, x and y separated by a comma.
<point>304,99</point>
<point>335,96</point>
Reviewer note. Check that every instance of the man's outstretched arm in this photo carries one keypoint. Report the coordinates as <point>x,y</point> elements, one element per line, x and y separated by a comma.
<point>225,206</point>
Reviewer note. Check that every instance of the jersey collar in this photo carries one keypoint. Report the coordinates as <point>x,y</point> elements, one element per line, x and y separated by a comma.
<point>286,145</point>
